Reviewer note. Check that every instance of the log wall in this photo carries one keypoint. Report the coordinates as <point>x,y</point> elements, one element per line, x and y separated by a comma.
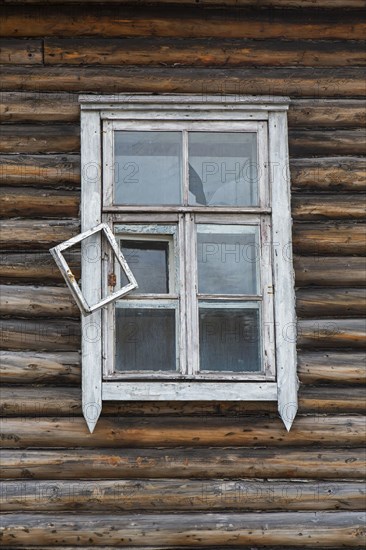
<point>182,475</point>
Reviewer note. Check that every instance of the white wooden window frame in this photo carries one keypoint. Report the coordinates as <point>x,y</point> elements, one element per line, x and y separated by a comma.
<point>100,117</point>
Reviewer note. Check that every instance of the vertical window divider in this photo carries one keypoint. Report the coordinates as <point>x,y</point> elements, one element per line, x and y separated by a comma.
<point>185,163</point>
<point>191,296</point>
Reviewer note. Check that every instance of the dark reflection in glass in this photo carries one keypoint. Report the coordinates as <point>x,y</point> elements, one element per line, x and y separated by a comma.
<point>148,167</point>
<point>229,340</point>
<point>145,339</point>
<point>227,262</point>
<point>223,168</point>
<point>148,260</point>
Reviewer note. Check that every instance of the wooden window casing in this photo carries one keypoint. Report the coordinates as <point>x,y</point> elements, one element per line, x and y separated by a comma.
<point>101,117</point>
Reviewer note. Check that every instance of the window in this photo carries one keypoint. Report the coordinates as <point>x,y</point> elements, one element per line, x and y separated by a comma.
<point>196,193</point>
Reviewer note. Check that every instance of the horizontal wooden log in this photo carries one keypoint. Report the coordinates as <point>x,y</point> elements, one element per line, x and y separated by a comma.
<point>340,302</point>
<point>326,113</point>
<point>40,170</point>
<point>64,369</point>
<point>201,52</point>
<point>24,234</point>
<point>183,463</point>
<point>295,82</point>
<point>60,138</point>
<point>34,21</point>
<point>35,107</point>
<point>37,267</point>
<point>39,368</point>
<point>34,301</point>
<point>304,143</point>
<point>329,174</point>
<point>22,202</point>
<point>332,367</point>
<point>124,432</point>
<point>326,207</point>
<point>333,239</point>
<point>26,401</point>
<point>349,4</point>
<point>188,495</point>
<point>331,333</point>
<point>307,529</point>
<point>17,52</point>
<point>30,301</point>
<point>40,335</point>
<point>329,271</point>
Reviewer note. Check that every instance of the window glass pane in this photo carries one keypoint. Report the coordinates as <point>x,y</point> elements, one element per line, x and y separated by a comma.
<point>223,168</point>
<point>145,339</point>
<point>148,167</point>
<point>228,258</point>
<point>229,339</point>
<point>148,261</point>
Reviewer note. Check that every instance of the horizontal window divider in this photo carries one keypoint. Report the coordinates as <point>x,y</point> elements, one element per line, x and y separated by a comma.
<point>141,297</point>
<point>231,297</point>
<point>184,115</point>
<point>189,391</point>
<point>203,376</point>
<point>146,209</point>
<point>150,302</point>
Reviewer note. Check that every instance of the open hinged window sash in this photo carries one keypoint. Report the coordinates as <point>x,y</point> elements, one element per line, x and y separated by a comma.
<point>231,109</point>
<point>69,277</point>
<point>115,171</point>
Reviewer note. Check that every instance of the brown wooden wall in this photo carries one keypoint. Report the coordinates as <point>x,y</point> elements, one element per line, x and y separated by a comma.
<point>182,475</point>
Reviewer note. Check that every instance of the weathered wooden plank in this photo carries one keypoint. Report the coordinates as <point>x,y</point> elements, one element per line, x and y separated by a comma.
<point>40,170</point>
<point>325,207</point>
<point>339,302</point>
<point>64,369</point>
<point>188,495</point>
<point>295,82</point>
<point>38,202</point>
<point>17,52</point>
<point>329,271</point>
<point>39,335</point>
<point>238,530</point>
<point>201,52</point>
<point>331,333</point>
<point>327,142</point>
<point>18,367</point>
<point>31,301</point>
<point>34,21</point>
<point>66,402</point>
<point>37,267</point>
<point>33,107</point>
<point>122,432</point>
<point>183,463</point>
<point>332,113</point>
<point>38,234</point>
<point>333,367</point>
<point>38,107</point>
<point>55,138</point>
<point>329,174</point>
<point>333,239</point>
<point>349,4</point>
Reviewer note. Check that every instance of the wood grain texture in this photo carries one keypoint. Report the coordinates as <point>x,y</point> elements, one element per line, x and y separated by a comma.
<point>123,432</point>
<point>296,82</point>
<point>40,170</point>
<point>332,367</point>
<point>327,207</point>
<point>55,138</point>
<point>40,368</point>
<point>333,239</point>
<point>331,333</point>
<point>329,174</point>
<point>202,52</point>
<point>307,529</point>
<point>17,52</point>
<point>33,302</point>
<point>327,113</point>
<point>26,401</point>
<point>350,4</point>
<point>184,463</point>
<point>36,234</point>
<point>35,267</point>
<point>34,21</point>
<point>22,202</point>
<point>327,142</point>
<point>339,302</point>
<point>40,335</point>
<point>330,271</point>
<point>168,495</point>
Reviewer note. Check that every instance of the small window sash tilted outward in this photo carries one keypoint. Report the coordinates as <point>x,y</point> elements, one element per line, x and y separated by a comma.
<point>142,159</point>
